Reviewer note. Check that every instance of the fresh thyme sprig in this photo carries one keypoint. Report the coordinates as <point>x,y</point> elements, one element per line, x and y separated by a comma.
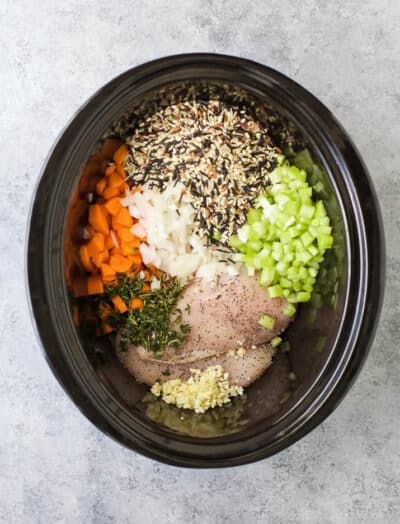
<point>155,326</point>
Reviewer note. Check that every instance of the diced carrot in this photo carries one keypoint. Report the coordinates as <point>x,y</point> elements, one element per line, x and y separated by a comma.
<point>156,272</point>
<point>116,251</point>
<point>111,192</point>
<point>106,312</point>
<point>136,303</point>
<point>136,189</point>
<point>115,180</point>
<point>120,264</point>
<point>136,260</point>
<point>106,328</point>
<point>122,219</point>
<point>109,242</point>
<point>119,304</point>
<point>85,258</point>
<point>127,248</point>
<point>134,271</point>
<point>110,170</point>
<point>100,258</point>
<point>113,206</point>
<point>147,276</point>
<point>137,241</point>
<point>98,219</point>
<point>125,235</point>
<point>107,273</point>
<point>120,171</point>
<point>146,288</point>
<point>95,285</point>
<point>101,185</point>
<point>79,287</point>
<point>120,154</point>
<point>75,315</point>
<point>95,244</point>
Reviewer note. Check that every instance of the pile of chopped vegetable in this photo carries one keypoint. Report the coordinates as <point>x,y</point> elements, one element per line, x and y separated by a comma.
<point>111,246</point>
<point>195,193</point>
<point>285,237</point>
<point>142,316</point>
<point>202,391</point>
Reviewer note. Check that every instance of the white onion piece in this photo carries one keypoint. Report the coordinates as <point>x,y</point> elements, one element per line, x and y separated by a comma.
<point>172,242</point>
<point>139,230</point>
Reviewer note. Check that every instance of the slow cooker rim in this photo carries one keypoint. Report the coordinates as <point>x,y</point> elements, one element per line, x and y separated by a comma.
<point>182,59</point>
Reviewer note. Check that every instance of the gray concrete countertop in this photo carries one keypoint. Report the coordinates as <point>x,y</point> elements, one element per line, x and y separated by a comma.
<point>55,467</point>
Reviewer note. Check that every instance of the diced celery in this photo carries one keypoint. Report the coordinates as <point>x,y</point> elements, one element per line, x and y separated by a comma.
<point>285,283</point>
<point>281,268</point>
<point>254,216</point>
<point>236,243</point>
<point>303,296</point>
<point>286,236</point>
<point>320,344</point>
<point>289,311</point>
<point>311,315</point>
<point>324,242</point>
<point>276,341</point>
<point>303,273</point>
<point>267,276</point>
<point>254,246</point>
<point>318,187</point>
<point>306,238</point>
<point>316,300</point>
<point>243,233</point>
<point>267,322</point>
<point>250,271</point>
<point>239,257</point>
<point>320,209</point>
<point>297,286</point>
<point>306,211</point>
<point>274,291</point>
<point>258,230</point>
<point>285,346</point>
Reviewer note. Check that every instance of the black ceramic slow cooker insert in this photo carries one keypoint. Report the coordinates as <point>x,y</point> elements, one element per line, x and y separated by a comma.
<point>328,343</point>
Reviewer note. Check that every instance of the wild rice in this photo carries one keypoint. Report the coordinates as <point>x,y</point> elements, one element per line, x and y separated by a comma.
<point>221,154</point>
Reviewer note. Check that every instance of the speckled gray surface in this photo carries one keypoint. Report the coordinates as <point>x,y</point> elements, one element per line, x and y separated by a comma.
<point>54,466</point>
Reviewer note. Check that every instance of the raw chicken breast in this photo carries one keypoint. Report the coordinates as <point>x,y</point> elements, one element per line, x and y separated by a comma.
<point>222,314</point>
<point>242,370</point>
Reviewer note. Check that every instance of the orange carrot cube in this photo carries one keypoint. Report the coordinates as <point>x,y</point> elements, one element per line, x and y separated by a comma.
<point>120,154</point>
<point>98,219</point>
<point>119,304</point>
<point>95,285</point>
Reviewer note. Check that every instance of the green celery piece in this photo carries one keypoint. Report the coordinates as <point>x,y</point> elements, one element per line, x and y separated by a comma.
<point>275,291</point>
<point>267,276</point>
<point>289,311</point>
<point>254,216</point>
<point>267,322</point>
<point>276,341</point>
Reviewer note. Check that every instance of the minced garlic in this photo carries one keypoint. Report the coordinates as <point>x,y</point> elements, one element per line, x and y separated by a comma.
<point>238,353</point>
<point>202,391</point>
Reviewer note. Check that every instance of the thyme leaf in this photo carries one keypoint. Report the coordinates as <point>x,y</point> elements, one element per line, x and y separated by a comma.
<point>155,326</point>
